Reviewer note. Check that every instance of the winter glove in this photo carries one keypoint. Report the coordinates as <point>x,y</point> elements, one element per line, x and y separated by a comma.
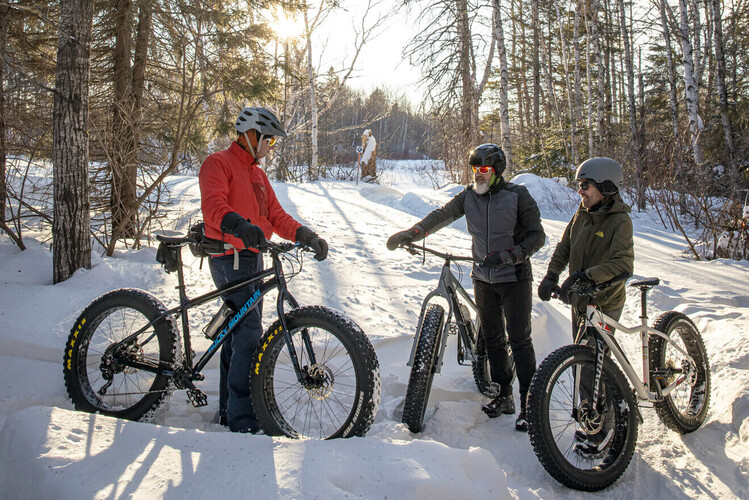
<point>574,280</point>
<point>416,233</point>
<point>308,237</point>
<point>250,234</point>
<point>509,257</point>
<point>547,286</point>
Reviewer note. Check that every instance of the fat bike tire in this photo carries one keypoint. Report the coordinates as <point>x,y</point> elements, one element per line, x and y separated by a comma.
<point>341,393</point>
<point>552,426</point>
<point>424,366</point>
<point>134,394</point>
<point>685,408</point>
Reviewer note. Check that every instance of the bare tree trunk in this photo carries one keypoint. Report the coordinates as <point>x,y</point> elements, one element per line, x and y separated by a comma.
<point>468,104</point>
<point>4,12</point>
<point>536,73</point>
<point>596,46</point>
<point>571,104</point>
<point>671,72</point>
<point>71,247</point>
<point>313,169</point>
<point>503,84</point>
<point>123,155</point>
<point>721,82</point>
<point>691,85</point>
<point>577,102</point>
<point>632,108</point>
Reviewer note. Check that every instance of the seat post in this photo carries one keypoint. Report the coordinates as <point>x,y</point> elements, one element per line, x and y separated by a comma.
<point>644,304</point>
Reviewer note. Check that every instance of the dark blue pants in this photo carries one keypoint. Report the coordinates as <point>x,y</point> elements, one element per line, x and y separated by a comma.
<point>505,313</point>
<point>238,350</point>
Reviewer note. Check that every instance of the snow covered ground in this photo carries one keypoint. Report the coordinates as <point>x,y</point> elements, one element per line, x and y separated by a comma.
<point>47,450</point>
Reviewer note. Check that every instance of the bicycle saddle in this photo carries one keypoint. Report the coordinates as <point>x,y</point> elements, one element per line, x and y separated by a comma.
<point>646,282</point>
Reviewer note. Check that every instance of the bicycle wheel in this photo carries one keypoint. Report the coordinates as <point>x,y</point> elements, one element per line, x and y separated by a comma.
<point>424,366</point>
<point>95,378</point>
<point>685,408</point>
<point>339,394</point>
<point>482,373</point>
<point>554,417</point>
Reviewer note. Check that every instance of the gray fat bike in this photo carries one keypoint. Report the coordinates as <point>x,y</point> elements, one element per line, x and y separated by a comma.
<point>432,332</point>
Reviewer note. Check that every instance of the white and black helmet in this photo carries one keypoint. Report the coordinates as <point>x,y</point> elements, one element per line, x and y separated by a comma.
<point>261,119</point>
<point>605,172</point>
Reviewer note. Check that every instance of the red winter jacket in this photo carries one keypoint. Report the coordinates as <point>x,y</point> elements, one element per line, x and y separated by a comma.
<point>232,181</point>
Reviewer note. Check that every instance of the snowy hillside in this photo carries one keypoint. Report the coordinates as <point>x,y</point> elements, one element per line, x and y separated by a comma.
<point>47,450</point>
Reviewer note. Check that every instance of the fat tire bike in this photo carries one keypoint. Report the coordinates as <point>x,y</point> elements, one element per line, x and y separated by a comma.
<point>432,331</point>
<point>676,380</point>
<point>314,374</point>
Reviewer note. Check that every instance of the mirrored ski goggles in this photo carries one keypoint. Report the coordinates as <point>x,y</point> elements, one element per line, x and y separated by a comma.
<point>482,169</point>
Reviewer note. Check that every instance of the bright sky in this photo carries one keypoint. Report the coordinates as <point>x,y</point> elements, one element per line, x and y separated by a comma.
<point>380,61</point>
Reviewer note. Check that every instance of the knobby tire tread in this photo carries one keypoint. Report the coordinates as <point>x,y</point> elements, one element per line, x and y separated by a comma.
<point>666,410</point>
<point>424,366</point>
<point>363,359</point>
<point>85,326</point>
<point>540,433</point>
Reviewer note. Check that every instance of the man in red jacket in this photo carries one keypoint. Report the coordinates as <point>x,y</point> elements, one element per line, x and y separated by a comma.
<point>240,207</point>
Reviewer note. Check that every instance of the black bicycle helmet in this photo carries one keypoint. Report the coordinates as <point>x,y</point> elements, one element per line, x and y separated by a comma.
<point>489,154</point>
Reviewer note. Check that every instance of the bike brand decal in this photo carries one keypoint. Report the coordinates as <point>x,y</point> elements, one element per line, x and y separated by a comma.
<point>356,415</point>
<point>235,319</point>
<point>72,342</point>
<point>599,370</point>
<point>263,348</point>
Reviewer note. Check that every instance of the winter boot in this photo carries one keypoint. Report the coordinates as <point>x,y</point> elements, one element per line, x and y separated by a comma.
<point>500,405</point>
<point>521,424</point>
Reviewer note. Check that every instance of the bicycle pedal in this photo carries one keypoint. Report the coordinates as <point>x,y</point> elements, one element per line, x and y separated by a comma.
<point>197,398</point>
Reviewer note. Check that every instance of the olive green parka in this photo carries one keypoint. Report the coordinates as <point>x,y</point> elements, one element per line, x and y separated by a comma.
<point>599,243</point>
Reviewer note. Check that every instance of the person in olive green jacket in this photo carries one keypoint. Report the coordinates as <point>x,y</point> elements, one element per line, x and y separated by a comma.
<point>597,246</point>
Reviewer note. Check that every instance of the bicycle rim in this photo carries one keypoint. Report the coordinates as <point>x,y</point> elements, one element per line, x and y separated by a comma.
<point>322,408</point>
<point>129,385</point>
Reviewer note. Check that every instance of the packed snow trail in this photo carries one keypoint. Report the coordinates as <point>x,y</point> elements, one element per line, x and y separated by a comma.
<point>460,451</point>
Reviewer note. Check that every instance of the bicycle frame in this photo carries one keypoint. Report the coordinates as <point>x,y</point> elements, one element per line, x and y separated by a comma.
<point>599,322</point>
<point>449,288</point>
<point>270,279</point>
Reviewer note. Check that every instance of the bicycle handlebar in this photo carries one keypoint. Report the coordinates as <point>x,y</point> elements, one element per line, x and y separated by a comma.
<point>413,250</point>
<point>589,291</point>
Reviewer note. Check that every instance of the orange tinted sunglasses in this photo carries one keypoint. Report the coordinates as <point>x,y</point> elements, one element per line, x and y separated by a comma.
<point>271,141</point>
<point>482,169</point>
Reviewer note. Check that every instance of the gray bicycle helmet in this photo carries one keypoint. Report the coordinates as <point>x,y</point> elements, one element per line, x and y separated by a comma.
<point>605,172</point>
<point>489,154</point>
<point>261,119</point>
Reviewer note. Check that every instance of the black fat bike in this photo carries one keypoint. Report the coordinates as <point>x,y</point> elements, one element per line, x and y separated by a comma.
<point>579,391</point>
<point>314,374</point>
<point>432,331</point>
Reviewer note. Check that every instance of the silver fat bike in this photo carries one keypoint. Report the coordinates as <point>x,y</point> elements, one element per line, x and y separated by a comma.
<point>432,332</point>
<point>579,391</point>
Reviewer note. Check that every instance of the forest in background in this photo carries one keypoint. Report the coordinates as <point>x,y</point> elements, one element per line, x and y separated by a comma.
<point>657,85</point>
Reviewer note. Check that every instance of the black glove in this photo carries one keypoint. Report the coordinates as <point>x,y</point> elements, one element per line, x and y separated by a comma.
<point>547,286</point>
<point>416,233</point>
<point>308,237</point>
<point>511,256</point>
<point>250,234</point>
<point>574,280</point>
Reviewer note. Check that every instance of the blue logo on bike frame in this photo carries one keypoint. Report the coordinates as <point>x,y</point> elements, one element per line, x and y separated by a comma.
<point>246,307</point>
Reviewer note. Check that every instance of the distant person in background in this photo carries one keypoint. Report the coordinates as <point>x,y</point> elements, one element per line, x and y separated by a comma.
<point>240,207</point>
<point>597,246</point>
<point>505,225</point>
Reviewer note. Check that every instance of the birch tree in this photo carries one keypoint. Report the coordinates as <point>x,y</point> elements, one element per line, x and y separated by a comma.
<point>721,81</point>
<point>503,84</point>
<point>635,136</point>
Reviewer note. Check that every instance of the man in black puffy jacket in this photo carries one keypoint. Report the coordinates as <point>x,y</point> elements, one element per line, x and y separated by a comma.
<point>505,224</point>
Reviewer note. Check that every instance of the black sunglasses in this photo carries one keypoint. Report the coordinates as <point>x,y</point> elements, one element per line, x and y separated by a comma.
<point>584,185</point>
